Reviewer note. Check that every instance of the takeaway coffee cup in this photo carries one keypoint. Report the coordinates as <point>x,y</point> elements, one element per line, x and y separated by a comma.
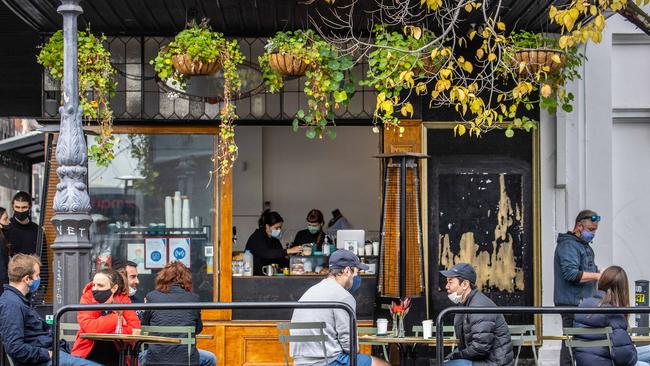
<point>427,329</point>
<point>382,326</point>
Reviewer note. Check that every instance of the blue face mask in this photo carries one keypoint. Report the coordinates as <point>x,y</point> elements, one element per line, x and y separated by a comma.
<point>356,283</point>
<point>276,233</point>
<point>34,286</point>
<point>587,235</point>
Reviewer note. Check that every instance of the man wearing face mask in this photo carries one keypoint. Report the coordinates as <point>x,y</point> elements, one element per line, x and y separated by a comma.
<point>575,270</point>
<point>341,283</point>
<point>484,338</point>
<point>21,232</point>
<point>27,338</point>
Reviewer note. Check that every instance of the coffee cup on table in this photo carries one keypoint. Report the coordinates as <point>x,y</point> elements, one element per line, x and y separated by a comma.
<point>382,326</point>
<point>427,329</point>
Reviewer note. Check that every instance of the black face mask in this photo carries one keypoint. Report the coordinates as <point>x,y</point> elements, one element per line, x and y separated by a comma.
<point>21,216</point>
<point>102,295</point>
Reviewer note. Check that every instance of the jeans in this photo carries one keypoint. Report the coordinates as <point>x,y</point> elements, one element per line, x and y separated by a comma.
<point>344,360</point>
<point>206,358</point>
<point>643,356</point>
<point>66,359</point>
<point>458,362</point>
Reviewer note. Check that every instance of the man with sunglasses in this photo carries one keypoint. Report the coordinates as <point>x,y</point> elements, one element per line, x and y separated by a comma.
<point>576,273</point>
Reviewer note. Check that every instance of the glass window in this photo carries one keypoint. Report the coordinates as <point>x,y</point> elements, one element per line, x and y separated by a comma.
<point>155,203</point>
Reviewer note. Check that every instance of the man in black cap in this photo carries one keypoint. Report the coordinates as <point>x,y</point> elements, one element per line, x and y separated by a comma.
<point>342,281</point>
<point>484,338</point>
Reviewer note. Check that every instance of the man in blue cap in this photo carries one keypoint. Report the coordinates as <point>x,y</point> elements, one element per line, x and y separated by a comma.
<point>341,282</point>
<point>484,338</point>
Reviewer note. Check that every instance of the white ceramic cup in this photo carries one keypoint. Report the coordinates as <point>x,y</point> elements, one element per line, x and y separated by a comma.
<point>360,250</point>
<point>427,329</point>
<point>382,326</point>
<point>375,248</point>
<point>369,249</point>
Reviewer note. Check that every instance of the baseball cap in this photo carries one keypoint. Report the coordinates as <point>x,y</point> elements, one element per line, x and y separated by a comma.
<point>344,258</point>
<point>463,271</point>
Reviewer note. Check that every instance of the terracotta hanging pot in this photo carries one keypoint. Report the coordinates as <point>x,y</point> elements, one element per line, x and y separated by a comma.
<point>185,65</point>
<point>288,64</point>
<point>536,59</point>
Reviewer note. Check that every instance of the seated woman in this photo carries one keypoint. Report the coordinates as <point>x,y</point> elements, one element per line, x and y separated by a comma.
<point>265,246</point>
<point>174,284</point>
<point>314,231</point>
<point>613,291</point>
<point>107,287</point>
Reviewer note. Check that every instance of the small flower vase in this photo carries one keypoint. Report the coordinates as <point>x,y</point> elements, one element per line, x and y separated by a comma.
<point>395,330</point>
<point>400,326</point>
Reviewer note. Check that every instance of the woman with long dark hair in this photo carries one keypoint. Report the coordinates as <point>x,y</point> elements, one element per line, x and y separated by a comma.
<point>265,245</point>
<point>314,231</point>
<point>613,291</point>
<point>174,284</point>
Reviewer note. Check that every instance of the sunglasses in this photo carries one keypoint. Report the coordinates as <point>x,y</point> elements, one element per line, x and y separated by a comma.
<point>593,218</point>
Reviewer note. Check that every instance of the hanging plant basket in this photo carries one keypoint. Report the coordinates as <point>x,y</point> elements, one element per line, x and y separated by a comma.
<point>184,64</point>
<point>287,64</point>
<point>537,58</point>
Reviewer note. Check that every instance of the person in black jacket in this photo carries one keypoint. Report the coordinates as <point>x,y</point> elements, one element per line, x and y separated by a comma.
<point>314,231</point>
<point>265,245</point>
<point>484,338</point>
<point>174,284</point>
<point>4,249</point>
<point>613,290</point>
<point>21,232</point>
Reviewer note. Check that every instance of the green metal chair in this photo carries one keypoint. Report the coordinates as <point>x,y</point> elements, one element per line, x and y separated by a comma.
<point>447,330</point>
<point>286,327</point>
<point>373,331</point>
<point>68,332</point>
<point>523,335</point>
<point>572,343</point>
<point>187,333</point>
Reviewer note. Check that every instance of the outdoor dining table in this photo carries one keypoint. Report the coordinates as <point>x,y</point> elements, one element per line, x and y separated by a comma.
<point>405,345</point>
<point>131,343</point>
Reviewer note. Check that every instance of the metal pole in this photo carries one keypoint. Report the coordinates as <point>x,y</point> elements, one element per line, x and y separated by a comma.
<point>71,203</point>
<point>402,226</point>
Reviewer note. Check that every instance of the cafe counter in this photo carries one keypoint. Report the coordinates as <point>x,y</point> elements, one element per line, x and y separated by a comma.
<point>291,288</point>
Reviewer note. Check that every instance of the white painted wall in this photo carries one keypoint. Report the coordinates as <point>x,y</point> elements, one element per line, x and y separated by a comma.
<point>596,157</point>
<point>296,174</point>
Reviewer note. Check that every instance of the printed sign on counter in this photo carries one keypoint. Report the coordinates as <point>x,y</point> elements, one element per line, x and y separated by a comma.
<point>155,253</point>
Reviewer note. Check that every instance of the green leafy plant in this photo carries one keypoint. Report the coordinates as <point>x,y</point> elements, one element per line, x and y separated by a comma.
<point>202,44</point>
<point>393,70</point>
<point>96,85</point>
<point>328,84</point>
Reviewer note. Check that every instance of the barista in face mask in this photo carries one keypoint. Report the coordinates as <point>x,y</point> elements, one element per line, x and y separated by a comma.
<point>21,232</point>
<point>264,243</point>
<point>313,233</point>
<point>483,338</point>
<point>107,287</point>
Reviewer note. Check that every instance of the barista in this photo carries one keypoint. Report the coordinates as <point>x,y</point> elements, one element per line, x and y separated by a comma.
<point>314,231</point>
<point>265,245</point>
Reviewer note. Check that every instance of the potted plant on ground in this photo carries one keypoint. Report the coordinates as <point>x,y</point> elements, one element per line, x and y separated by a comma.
<point>198,50</point>
<point>328,82</point>
<point>96,85</point>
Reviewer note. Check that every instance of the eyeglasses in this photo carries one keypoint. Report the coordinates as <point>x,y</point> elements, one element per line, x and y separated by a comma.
<point>593,218</point>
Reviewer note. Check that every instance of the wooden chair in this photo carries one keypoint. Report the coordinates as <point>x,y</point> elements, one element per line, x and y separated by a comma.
<point>523,335</point>
<point>285,339</point>
<point>186,332</point>
<point>373,331</point>
<point>572,343</point>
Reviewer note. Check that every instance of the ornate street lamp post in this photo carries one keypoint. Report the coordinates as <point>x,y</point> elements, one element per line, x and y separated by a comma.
<point>71,202</point>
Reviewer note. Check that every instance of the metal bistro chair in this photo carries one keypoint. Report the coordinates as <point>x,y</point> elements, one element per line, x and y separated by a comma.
<point>447,330</point>
<point>523,335</point>
<point>372,331</point>
<point>68,332</point>
<point>572,343</point>
<point>286,339</point>
<point>187,337</point>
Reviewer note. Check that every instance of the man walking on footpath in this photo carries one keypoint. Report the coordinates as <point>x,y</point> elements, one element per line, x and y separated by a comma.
<point>575,270</point>
<point>21,232</point>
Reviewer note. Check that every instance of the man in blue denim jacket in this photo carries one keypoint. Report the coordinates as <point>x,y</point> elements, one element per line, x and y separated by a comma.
<point>575,270</point>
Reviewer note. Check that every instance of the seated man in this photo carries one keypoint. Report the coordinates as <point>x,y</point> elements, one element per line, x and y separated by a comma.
<point>26,337</point>
<point>342,279</point>
<point>484,338</point>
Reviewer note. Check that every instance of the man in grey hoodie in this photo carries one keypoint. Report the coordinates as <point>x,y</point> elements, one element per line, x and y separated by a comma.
<point>575,270</point>
<point>342,279</point>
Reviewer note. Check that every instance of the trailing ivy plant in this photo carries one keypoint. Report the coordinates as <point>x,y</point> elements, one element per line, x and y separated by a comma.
<point>201,43</point>
<point>96,86</point>
<point>328,84</point>
<point>394,71</point>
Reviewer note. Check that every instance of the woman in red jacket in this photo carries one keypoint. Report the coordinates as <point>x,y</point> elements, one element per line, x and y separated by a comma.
<point>107,287</point>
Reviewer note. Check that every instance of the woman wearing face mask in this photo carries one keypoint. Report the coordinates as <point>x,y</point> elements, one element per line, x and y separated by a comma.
<point>314,231</point>
<point>4,249</point>
<point>107,287</point>
<point>265,245</point>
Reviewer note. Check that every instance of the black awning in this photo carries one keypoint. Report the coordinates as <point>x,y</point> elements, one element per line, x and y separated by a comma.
<point>242,18</point>
<point>29,147</point>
